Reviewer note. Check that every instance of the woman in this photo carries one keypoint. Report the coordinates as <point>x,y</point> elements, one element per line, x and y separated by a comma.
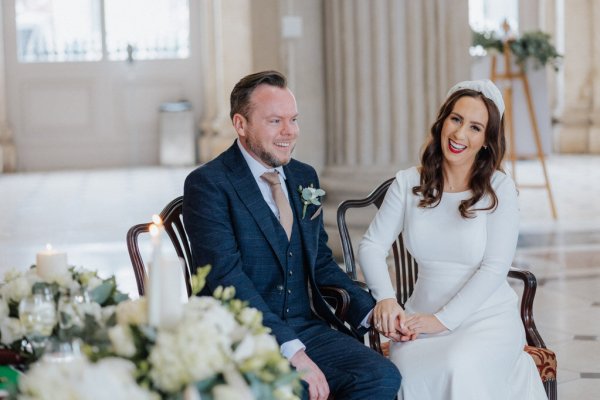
<point>460,336</point>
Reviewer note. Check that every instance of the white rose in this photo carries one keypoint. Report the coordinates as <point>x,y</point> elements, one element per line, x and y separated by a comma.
<point>11,330</point>
<point>194,351</point>
<point>265,343</point>
<point>122,340</point>
<point>133,312</point>
<point>90,308</point>
<point>11,274</point>
<point>250,317</point>
<point>255,347</point>
<point>226,392</point>
<point>93,282</point>
<point>63,278</point>
<point>211,312</point>
<point>236,384</point>
<point>110,378</point>
<point>3,309</point>
<point>40,382</point>
<point>244,349</point>
<point>16,289</point>
<point>32,276</point>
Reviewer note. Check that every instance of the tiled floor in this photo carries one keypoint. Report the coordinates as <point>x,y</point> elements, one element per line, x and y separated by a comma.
<point>87,214</point>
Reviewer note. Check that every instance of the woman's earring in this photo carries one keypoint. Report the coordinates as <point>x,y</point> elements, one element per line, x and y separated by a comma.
<point>485,147</point>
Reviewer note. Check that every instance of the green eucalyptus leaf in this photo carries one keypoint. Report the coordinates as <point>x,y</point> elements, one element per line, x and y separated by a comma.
<point>101,293</point>
<point>259,389</point>
<point>205,385</point>
<point>119,297</point>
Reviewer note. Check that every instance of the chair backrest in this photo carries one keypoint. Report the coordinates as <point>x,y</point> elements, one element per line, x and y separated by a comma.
<point>173,224</point>
<point>405,266</point>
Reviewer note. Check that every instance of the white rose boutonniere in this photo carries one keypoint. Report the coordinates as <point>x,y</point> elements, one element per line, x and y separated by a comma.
<point>310,195</point>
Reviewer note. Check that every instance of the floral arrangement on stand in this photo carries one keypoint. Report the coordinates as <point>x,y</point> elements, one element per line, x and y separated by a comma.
<point>218,349</point>
<point>534,45</point>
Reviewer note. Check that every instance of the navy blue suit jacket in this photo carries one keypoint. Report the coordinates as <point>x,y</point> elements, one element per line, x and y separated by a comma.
<point>231,227</point>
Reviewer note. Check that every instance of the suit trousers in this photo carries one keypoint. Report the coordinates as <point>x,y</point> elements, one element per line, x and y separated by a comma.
<point>353,370</point>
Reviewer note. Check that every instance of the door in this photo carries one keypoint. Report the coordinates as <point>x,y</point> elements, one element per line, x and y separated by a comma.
<point>86,78</point>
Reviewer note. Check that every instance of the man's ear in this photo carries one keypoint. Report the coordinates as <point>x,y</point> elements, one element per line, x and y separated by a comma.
<point>239,124</point>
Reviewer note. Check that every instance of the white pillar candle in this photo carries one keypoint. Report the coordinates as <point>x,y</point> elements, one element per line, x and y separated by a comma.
<point>51,264</point>
<point>171,307</point>
<point>154,293</point>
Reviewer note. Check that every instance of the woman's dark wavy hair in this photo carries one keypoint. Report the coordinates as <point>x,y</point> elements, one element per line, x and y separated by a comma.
<point>486,162</point>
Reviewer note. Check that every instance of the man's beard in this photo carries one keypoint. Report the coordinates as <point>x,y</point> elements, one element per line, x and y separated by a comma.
<point>263,154</point>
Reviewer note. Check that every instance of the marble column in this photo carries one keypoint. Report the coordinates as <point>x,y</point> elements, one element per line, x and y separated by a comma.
<point>389,66</point>
<point>245,36</point>
<point>8,153</point>
<point>594,112</point>
<point>579,116</point>
<point>227,56</point>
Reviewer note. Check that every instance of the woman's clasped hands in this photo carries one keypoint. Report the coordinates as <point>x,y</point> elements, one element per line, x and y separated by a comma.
<point>390,320</point>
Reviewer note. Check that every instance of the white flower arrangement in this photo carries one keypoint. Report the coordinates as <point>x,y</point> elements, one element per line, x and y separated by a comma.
<point>219,350</point>
<point>83,319</point>
<point>109,378</point>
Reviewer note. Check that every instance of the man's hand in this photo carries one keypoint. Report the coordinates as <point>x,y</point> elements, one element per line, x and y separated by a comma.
<point>424,323</point>
<point>318,388</point>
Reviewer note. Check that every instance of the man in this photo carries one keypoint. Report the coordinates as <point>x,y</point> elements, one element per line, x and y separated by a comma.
<point>256,234</point>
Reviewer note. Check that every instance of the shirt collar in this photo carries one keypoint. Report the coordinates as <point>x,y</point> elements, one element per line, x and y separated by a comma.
<point>257,168</point>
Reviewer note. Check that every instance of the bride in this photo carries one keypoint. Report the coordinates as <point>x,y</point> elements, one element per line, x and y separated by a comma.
<point>460,336</point>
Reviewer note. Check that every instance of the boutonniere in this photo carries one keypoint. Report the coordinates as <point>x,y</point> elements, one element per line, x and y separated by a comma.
<point>310,195</point>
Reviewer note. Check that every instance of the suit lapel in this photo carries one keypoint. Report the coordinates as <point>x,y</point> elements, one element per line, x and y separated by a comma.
<point>307,228</point>
<point>244,184</point>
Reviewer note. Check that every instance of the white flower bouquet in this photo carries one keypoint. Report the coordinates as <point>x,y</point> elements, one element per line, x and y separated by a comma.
<point>219,350</point>
<point>83,299</point>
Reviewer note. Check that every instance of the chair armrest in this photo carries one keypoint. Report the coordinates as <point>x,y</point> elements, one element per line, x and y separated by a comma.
<point>338,299</point>
<point>529,287</point>
<point>374,338</point>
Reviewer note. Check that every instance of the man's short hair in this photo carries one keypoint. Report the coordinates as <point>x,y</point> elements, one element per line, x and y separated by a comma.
<point>240,95</point>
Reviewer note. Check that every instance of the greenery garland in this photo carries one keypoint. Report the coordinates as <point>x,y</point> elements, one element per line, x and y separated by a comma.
<point>535,45</point>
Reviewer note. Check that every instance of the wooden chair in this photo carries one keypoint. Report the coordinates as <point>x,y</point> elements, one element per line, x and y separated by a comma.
<point>405,275</point>
<point>173,224</point>
<point>172,219</point>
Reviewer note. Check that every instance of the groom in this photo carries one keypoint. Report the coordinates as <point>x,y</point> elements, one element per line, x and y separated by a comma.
<point>245,216</point>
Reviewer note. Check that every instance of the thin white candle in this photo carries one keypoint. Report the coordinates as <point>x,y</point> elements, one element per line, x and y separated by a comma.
<point>51,264</point>
<point>171,307</point>
<point>154,274</point>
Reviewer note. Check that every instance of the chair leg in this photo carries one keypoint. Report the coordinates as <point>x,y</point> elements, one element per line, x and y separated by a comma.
<point>551,389</point>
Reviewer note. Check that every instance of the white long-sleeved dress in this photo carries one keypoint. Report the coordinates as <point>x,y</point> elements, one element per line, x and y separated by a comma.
<point>463,265</point>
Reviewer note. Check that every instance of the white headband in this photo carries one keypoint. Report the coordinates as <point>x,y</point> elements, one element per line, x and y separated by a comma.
<point>486,88</point>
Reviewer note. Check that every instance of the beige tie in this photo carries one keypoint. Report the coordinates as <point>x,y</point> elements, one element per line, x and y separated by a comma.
<point>285,211</point>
